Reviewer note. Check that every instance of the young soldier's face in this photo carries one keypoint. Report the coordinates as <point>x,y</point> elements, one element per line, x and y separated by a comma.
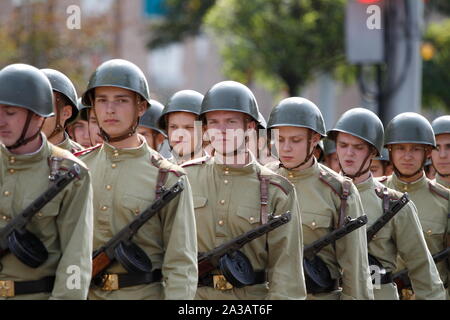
<point>292,144</point>
<point>226,130</point>
<point>80,133</point>
<point>153,137</point>
<point>12,121</point>
<point>94,131</point>
<point>377,168</point>
<point>64,113</point>
<point>352,152</point>
<point>116,109</point>
<point>441,155</point>
<point>408,157</point>
<point>181,131</point>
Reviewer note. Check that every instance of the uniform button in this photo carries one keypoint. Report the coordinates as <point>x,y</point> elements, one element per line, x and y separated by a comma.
<point>11,171</point>
<point>227,172</point>
<point>104,208</point>
<point>137,211</point>
<point>12,160</point>
<point>4,217</point>
<point>374,236</point>
<point>221,223</point>
<point>113,165</point>
<point>108,187</point>
<point>290,175</point>
<point>313,223</point>
<point>251,219</point>
<point>225,181</point>
<point>6,193</point>
<point>222,201</point>
<point>429,232</point>
<point>39,214</point>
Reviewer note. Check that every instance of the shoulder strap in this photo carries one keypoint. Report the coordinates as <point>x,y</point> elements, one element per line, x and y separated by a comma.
<point>346,185</point>
<point>440,191</point>
<point>160,182</point>
<point>264,194</point>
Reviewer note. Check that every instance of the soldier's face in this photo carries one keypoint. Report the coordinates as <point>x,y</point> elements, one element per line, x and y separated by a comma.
<point>149,135</point>
<point>116,109</point>
<point>408,157</point>
<point>292,145</point>
<point>441,155</point>
<point>352,152</point>
<point>184,135</point>
<point>376,168</point>
<point>65,112</point>
<point>80,133</point>
<point>12,122</point>
<point>332,162</point>
<point>226,130</point>
<point>94,130</point>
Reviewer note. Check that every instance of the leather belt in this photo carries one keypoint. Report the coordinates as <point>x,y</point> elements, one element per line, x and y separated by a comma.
<point>9,288</point>
<point>116,281</point>
<point>210,280</point>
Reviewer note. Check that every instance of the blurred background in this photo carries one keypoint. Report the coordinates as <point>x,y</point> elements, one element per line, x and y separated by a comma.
<point>389,56</point>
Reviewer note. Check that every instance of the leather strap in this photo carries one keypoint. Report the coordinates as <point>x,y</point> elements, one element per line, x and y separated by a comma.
<point>346,185</point>
<point>35,286</point>
<point>160,182</point>
<point>207,280</point>
<point>264,193</point>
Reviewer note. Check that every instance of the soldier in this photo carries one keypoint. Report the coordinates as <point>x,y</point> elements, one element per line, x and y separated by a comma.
<point>78,129</point>
<point>65,111</point>
<point>229,110</point>
<point>148,125</point>
<point>330,157</point>
<point>299,126</point>
<point>359,136</point>
<point>381,165</point>
<point>319,152</point>
<point>63,225</point>
<point>180,120</point>
<point>127,177</point>
<point>410,139</point>
<point>258,142</point>
<point>441,155</point>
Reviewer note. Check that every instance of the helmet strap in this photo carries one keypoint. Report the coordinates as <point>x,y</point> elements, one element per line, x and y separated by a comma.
<point>22,141</point>
<point>308,156</point>
<point>401,175</point>
<point>360,171</point>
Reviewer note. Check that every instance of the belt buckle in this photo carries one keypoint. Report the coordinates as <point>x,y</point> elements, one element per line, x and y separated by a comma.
<point>6,288</point>
<point>110,282</point>
<point>220,283</point>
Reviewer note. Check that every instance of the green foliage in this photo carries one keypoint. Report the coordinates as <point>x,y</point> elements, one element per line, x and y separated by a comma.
<point>436,75</point>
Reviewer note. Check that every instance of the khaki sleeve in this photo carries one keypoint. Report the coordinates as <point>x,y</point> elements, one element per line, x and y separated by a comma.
<point>352,255</point>
<point>285,253</point>
<point>413,250</point>
<point>179,269</point>
<point>75,230</point>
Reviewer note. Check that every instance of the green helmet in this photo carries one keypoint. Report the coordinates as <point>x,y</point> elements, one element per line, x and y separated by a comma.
<point>441,125</point>
<point>329,146</point>
<point>230,96</point>
<point>297,112</point>
<point>25,86</point>
<point>62,84</point>
<point>117,73</point>
<point>361,123</point>
<point>409,127</point>
<point>384,156</point>
<point>151,117</point>
<point>182,101</point>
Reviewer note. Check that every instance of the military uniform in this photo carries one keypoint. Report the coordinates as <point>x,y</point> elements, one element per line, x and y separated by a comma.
<point>64,225</point>
<point>69,145</point>
<point>402,236</point>
<point>319,189</point>
<point>441,181</point>
<point>227,203</point>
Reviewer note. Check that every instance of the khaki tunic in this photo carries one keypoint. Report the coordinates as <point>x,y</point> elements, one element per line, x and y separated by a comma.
<point>433,212</point>
<point>124,182</point>
<point>320,206</point>
<point>227,204</point>
<point>402,236</point>
<point>64,225</point>
<point>69,145</point>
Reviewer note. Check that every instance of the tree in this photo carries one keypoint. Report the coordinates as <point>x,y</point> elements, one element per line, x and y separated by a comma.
<point>285,41</point>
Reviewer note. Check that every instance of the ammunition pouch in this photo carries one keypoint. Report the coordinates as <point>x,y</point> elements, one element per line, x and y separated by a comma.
<point>27,248</point>
<point>317,276</point>
<point>133,258</point>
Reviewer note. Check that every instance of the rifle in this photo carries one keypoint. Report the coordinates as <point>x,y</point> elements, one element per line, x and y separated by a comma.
<point>402,279</point>
<point>317,276</point>
<point>23,244</point>
<point>120,246</point>
<point>208,261</point>
<point>387,216</point>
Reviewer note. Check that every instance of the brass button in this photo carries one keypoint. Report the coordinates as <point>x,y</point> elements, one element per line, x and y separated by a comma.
<point>108,187</point>
<point>11,171</point>
<point>6,193</point>
<point>4,217</point>
<point>225,181</point>
<point>429,232</point>
<point>374,236</point>
<point>12,160</point>
<point>251,219</point>
<point>227,172</point>
<point>113,165</point>
<point>104,208</point>
<point>290,175</point>
<point>137,211</point>
<point>221,223</point>
<point>39,214</point>
<point>313,223</point>
<point>222,201</point>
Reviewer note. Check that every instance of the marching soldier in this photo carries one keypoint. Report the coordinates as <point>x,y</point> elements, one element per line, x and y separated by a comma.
<point>330,156</point>
<point>127,177</point>
<point>410,140</point>
<point>441,155</point>
<point>229,110</point>
<point>65,111</point>
<point>52,259</point>
<point>381,166</point>
<point>180,120</point>
<point>359,136</point>
<point>297,125</point>
<point>78,129</point>
<point>148,125</point>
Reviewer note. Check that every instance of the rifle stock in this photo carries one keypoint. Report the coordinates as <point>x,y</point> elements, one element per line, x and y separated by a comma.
<point>100,262</point>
